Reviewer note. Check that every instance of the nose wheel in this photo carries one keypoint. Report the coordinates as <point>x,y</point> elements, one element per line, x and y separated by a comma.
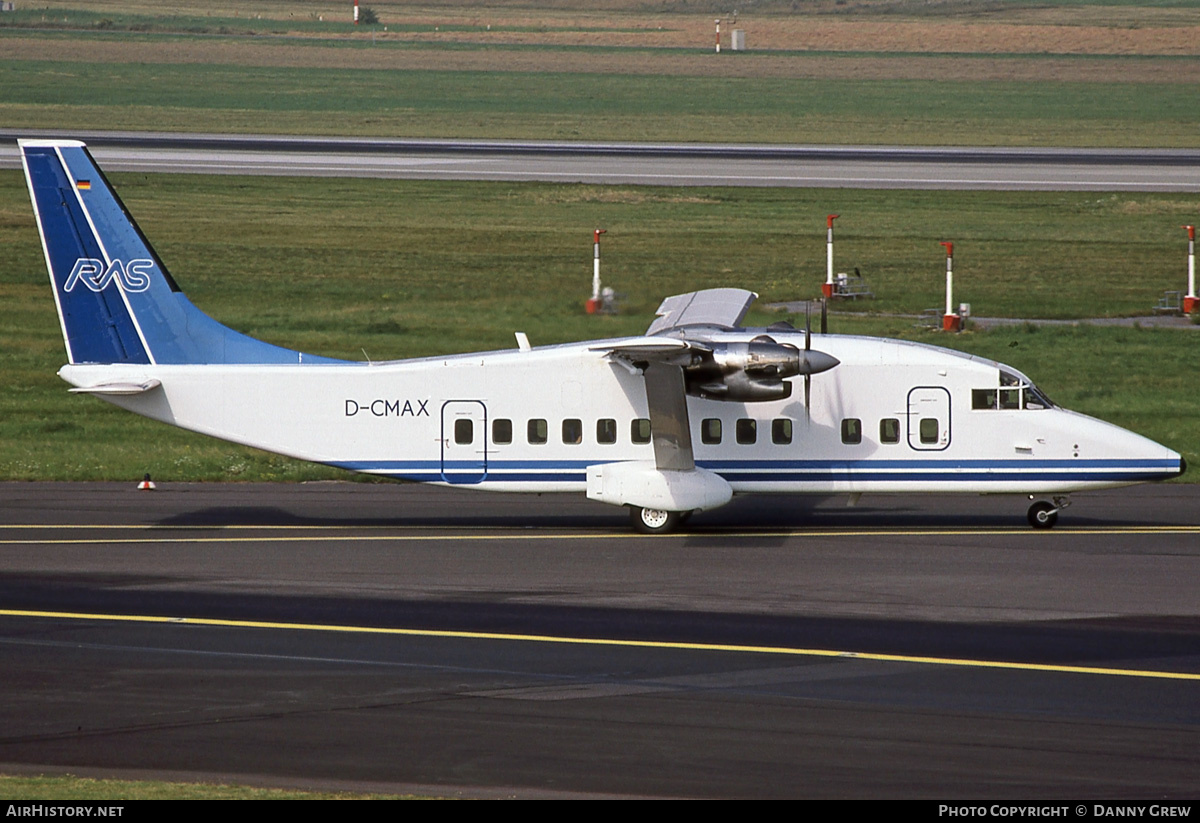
<point>1043,514</point>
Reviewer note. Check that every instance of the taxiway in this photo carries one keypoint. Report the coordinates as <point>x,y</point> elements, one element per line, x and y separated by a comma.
<point>459,643</point>
<point>683,164</point>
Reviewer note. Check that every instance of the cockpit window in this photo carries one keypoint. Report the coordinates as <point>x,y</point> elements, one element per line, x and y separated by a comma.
<point>983,398</point>
<point>1035,398</point>
<point>1014,394</point>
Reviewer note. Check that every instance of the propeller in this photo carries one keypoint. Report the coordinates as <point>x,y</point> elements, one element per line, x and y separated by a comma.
<point>807,349</point>
<point>813,361</point>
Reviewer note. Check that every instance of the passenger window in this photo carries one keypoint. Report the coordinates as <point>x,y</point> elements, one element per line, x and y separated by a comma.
<point>983,398</point>
<point>746,432</point>
<point>639,431</point>
<point>710,431</point>
<point>781,431</point>
<point>851,431</point>
<point>929,430</point>
<point>606,431</point>
<point>464,431</point>
<point>501,431</point>
<point>889,430</point>
<point>572,430</point>
<point>537,431</point>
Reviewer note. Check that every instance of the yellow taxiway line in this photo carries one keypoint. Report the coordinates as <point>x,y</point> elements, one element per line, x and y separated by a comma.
<point>325,534</point>
<point>589,641</point>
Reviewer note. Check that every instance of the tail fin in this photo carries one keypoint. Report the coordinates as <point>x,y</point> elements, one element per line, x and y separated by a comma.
<point>116,301</point>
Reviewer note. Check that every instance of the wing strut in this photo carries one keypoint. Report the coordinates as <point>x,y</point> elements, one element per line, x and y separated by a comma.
<point>666,395</point>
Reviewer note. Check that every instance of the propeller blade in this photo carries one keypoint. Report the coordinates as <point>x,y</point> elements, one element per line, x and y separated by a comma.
<point>807,326</point>
<point>824,318</point>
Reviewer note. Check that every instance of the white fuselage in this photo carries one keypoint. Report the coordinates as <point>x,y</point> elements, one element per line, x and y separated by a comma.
<point>892,417</point>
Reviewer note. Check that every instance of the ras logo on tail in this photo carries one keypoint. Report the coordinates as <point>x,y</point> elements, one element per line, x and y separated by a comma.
<point>134,276</point>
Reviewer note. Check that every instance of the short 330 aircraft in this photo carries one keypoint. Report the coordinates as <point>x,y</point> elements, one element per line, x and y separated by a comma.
<point>669,423</point>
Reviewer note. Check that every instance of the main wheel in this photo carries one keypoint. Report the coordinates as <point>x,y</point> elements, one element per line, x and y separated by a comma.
<point>654,521</point>
<point>1042,515</point>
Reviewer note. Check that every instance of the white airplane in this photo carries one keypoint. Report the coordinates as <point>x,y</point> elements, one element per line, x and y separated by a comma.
<point>673,422</point>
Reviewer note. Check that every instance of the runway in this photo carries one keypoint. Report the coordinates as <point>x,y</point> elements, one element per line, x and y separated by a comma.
<point>878,167</point>
<point>466,644</point>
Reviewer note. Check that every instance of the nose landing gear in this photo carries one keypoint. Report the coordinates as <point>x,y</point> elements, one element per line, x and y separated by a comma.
<point>1043,514</point>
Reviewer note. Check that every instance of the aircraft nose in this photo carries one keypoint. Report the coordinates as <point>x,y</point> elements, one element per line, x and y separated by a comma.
<point>1182,465</point>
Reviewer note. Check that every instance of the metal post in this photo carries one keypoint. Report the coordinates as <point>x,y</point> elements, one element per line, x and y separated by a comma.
<point>1191,303</point>
<point>593,303</point>
<point>718,35</point>
<point>356,12</point>
<point>950,320</point>
<point>596,264</point>
<point>827,289</point>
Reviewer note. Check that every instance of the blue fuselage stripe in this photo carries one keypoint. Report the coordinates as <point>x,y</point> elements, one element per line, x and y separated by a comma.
<point>796,471</point>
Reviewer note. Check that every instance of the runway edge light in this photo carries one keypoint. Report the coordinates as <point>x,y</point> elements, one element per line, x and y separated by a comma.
<point>147,485</point>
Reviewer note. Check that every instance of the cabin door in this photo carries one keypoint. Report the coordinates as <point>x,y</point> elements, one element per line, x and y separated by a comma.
<point>929,418</point>
<point>464,441</point>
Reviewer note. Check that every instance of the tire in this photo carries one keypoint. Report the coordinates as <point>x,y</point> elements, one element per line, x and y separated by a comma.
<point>654,521</point>
<point>1042,515</point>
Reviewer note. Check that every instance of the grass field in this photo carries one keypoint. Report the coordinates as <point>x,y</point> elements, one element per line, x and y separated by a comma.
<point>594,106</point>
<point>403,269</point>
<point>885,72</point>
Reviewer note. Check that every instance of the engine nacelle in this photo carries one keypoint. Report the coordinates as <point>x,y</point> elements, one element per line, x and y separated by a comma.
<point>760,356</point>
<point>752,370</point>
<point>743,388</point>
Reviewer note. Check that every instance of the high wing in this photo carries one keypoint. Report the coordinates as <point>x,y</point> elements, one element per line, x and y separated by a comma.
<point>684,353</point>
<point>713,308</point>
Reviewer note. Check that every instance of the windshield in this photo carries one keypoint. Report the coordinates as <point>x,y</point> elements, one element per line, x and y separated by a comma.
<point>1015,392</point>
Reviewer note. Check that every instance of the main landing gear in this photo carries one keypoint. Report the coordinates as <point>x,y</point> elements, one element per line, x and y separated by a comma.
<point>657,521</point>
<point>1043,514</point>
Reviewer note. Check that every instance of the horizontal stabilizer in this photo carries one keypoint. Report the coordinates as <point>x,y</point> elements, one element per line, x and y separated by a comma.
<point>117,389</point>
